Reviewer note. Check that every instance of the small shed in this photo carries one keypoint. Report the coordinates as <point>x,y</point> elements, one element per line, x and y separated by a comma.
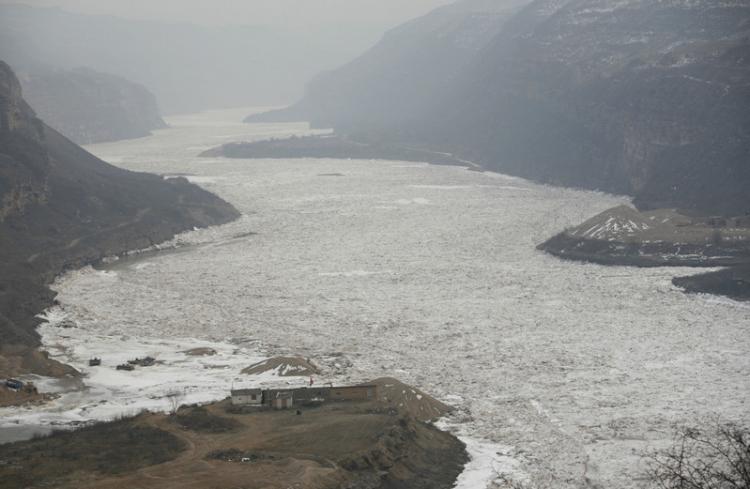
<point>283,400</point>
<point>247,397</point>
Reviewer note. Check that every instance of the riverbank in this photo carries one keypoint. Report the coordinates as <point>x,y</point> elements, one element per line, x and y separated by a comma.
<point>373,444</point>
<point>733,282</point>
<point>62,208</point>
<point>623,236</point>
<point>332,146</point>
<point>18,359</point>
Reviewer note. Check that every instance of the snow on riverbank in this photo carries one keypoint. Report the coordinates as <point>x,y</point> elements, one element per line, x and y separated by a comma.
<point>490,464</point>
<point>193,371</point>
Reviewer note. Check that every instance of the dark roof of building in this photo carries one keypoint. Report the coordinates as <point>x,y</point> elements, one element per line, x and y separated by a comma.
<point>245,392</point>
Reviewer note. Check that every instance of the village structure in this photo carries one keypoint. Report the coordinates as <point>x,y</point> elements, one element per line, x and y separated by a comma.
<point>303,396</point>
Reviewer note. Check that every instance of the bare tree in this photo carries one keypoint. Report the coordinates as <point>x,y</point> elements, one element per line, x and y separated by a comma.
<point>715,456</point>
<point>175,398</point>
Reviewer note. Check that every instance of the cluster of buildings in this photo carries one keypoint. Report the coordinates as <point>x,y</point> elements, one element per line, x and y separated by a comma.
<point>304,396</point>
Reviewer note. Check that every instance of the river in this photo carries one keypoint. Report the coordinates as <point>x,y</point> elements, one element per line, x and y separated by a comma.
<point>426,273</point>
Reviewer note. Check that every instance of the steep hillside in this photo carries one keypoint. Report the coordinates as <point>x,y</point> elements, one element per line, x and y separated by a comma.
<point>629,96</point>
<point>405,74</point>
<point>62,207</point>
<point>91,107</point>
<point>643,98</point>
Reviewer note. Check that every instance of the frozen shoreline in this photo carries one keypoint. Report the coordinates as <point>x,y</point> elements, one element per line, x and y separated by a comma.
<point>104,394</point>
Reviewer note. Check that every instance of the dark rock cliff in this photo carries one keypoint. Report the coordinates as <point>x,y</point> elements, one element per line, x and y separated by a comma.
<point>91,107</point>
<point>644,98</point>
<point>62,208</point>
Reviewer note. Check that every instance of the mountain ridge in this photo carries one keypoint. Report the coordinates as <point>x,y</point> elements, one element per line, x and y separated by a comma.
<point>63,208</point>
<point>92,107</point>
<point>627,96</point>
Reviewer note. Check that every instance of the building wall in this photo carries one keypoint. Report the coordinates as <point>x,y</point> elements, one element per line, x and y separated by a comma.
<point>354,393</point>
<point>284,403</point>
<point>306,395</point>
<point>247,400</point>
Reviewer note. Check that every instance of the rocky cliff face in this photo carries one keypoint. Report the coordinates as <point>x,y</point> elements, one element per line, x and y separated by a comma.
<point>637,97</point>
<point>628,96</point>
<point>23,180</point>
<point>405,74</point>
<point>62,207</point>
<point>91,107</point>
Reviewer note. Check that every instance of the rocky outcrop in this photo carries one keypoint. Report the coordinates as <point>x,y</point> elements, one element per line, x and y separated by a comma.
<point>91,107</point>
<point>63,208</point>
<point>624,236</point>
<point>409,455</point>
<point>23,179</point>
<point>627,96</point>
<point>664,237</point>
<point>732,282</point>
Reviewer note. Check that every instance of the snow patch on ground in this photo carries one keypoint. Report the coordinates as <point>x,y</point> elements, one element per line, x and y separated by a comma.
<point>105,393</point>
<point>489,463</point>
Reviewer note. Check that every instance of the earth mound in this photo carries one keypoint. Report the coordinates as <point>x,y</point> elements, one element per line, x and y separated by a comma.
<point>284,367</point>
<point>409,400</point>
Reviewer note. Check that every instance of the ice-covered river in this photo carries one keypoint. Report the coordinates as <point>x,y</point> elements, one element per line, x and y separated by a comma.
<point>426,273</point>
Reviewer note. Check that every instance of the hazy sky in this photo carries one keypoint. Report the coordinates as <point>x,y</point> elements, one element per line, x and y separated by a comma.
<point>264,12</point>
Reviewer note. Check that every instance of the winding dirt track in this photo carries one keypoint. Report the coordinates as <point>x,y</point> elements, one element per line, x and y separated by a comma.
<point>287,438</point>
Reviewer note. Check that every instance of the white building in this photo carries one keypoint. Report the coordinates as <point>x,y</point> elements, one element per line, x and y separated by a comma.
<point>247,397</point>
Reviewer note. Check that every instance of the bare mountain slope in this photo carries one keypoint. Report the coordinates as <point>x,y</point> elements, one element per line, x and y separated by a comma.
<point>629,96</point>
<point>91,107</point>
<point>62,207</point>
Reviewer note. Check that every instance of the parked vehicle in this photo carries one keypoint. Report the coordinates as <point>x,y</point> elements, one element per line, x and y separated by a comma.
<point>14,384</point>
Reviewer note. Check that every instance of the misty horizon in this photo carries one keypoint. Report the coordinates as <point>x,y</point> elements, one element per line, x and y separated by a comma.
<point>279,14</point>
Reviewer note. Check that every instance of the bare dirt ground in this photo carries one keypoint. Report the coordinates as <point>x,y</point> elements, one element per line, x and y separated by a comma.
<point>625,224</point>
<point>10,397</point>
<point>345,444</point>
<point>305,450</point>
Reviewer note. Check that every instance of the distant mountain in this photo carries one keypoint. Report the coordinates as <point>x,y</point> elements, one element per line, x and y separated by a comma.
<point>61,207</point>
<point>390,86</point>
<point>91,107</point>
<point>187,67</point>
<point>629,96</point>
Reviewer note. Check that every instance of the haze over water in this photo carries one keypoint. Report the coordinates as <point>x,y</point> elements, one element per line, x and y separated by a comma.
<point>430,274</point>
